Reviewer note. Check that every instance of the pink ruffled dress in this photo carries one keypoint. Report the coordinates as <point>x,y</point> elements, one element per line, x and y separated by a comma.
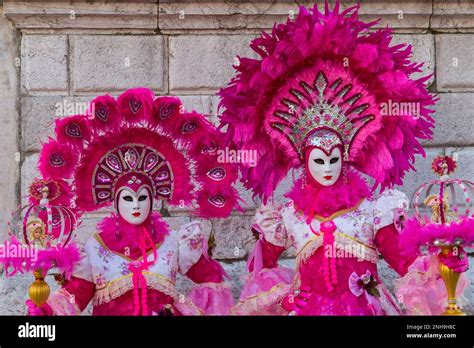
<point>336,260</point>
<point>422,290</point>
<point>118,283</point>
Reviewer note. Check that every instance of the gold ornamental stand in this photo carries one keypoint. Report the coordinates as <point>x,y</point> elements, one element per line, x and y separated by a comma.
<point>450,279</point>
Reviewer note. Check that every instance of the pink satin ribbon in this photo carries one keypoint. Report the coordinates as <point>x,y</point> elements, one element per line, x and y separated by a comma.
<point>329,262</point>
<point>139,281</point>
<point>357,288</point>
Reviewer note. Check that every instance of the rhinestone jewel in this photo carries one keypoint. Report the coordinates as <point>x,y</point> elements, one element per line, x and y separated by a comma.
<point>164,191</point>
<point>324,139</point>
<point>113,162</point>
<point>150,161</point>
<point>162,176</point>
<point>134,180</point>
<point>103,178</point>
<point>103,194</point>
<point>131,158</point>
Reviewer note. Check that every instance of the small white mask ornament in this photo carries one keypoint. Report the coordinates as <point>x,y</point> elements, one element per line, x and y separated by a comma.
<point>134,207</point>
<point>323,168</point>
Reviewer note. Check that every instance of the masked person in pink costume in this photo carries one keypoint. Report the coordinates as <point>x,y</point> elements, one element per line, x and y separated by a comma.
<point>130,152</point>
<point>317,99</point>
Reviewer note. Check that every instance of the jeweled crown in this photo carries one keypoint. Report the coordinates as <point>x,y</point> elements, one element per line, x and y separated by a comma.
<point>318,106</point>
<point>131,159</point>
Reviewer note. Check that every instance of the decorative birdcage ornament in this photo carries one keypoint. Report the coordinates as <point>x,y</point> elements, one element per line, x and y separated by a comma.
<point>40,223</point>
<point>443,200</point>
<point>40,238</point>
<point>443,221</point>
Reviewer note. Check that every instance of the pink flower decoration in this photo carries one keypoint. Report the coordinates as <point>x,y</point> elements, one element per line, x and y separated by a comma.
<point>443,165</point>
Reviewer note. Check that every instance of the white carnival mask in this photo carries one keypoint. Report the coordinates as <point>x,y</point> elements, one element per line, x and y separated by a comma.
<point>323,168</point>
<point>134,207</point>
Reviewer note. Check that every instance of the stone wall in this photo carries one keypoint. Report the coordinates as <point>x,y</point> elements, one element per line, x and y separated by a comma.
<point>9,119</point>
<point>57,55</point>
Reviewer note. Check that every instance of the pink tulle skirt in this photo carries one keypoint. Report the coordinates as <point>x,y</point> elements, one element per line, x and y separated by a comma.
<point>422,289</point>
<point>262,291</point>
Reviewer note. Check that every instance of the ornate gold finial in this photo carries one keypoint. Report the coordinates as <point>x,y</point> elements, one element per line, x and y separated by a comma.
<point>39,289</point>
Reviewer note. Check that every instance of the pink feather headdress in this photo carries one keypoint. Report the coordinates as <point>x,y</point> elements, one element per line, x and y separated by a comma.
<point>327,72</point>
<point>137,141</point>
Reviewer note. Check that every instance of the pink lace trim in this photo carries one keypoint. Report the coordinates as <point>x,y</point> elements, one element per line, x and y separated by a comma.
<point>120,286</point>
<point>265,303</point>
<point>186,306</point>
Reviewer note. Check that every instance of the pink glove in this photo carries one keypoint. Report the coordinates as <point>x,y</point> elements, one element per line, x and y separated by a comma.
<point>457,260</point>
<point>295,302</point>
<point>33,310</point>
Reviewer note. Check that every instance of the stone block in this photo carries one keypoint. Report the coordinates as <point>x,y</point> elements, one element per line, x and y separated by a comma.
<point>44,64</point>
<point>116,63</point>
<point>9,152</point>
<point>178,16</point>
<point>116,16</point>
<point>204,104</point>
<point>29,171</point>
<point>454,63</point>
<point>454,115</point>
<point>453,16</point>
<point>203,63</point>
<point>232,236</point>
